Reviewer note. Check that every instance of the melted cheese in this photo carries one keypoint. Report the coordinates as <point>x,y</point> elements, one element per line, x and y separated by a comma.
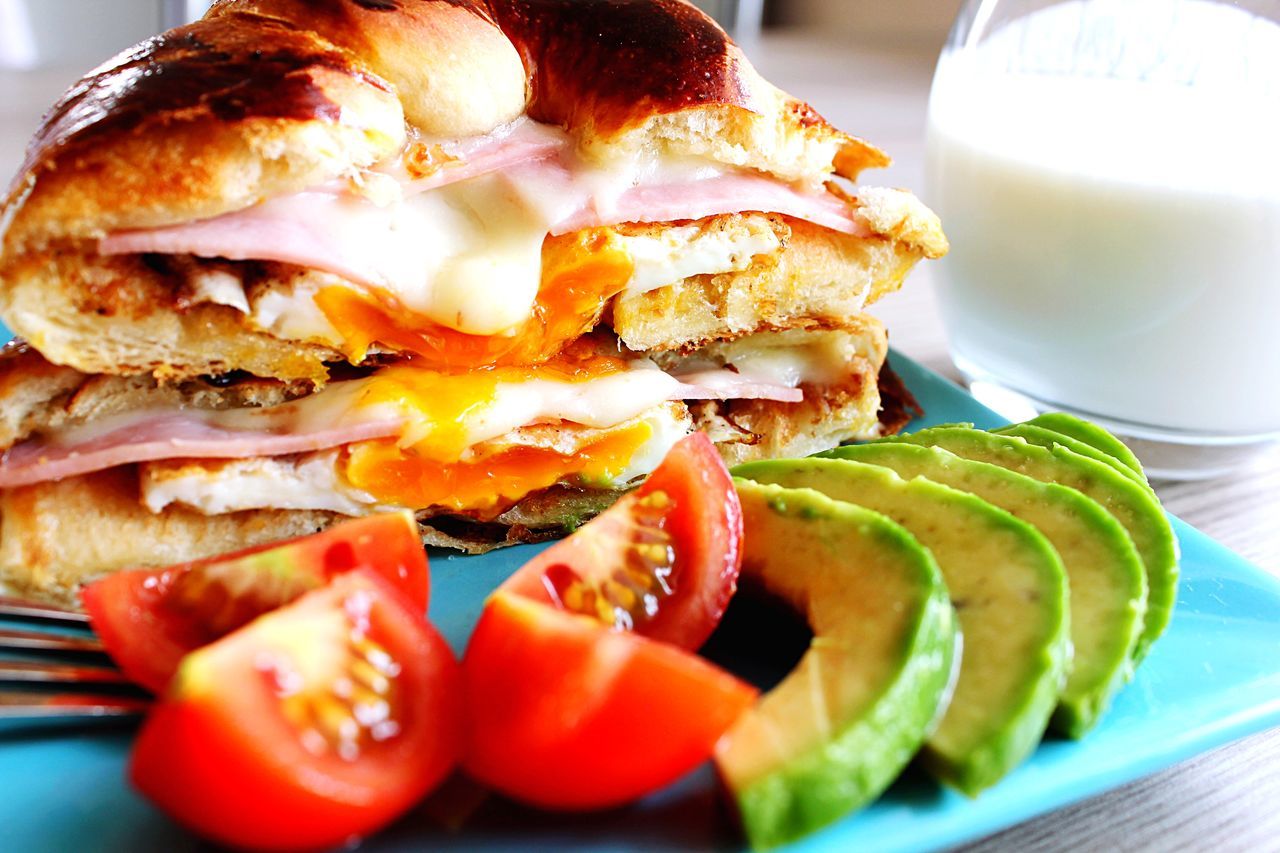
<point>467,256</point>
<point>679,252</point>
<point>791,358</point>
<point>580,274</point>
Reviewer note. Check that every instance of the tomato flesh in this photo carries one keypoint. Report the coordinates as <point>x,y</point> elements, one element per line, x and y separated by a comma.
<point>662,562</point>
<point>149,619</point>
<point>317,723</point>
<point>566,714</point>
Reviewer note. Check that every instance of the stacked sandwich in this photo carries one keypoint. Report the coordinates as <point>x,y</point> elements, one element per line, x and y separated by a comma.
<point>487,260</point>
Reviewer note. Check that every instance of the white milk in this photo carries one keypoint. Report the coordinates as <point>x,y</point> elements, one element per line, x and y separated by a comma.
<point>1114,211</point>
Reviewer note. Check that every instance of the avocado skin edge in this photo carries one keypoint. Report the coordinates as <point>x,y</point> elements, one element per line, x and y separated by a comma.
<point>1091,434</point>
<point>1048,439</point>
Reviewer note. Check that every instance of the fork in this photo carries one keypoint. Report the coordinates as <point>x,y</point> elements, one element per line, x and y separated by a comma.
<point>52,668</point>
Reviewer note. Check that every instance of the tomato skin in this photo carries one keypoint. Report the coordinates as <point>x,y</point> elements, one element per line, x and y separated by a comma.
<point>566,714</point>
<point>217,754</point>
<point>705,523</point>
<point>147,630</point>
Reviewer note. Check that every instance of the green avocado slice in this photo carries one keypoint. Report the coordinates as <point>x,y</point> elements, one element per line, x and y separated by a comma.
<point>1091,434</point>
<point>1047,438</point>
<point>1104,574</point>
<point>874,680</point>
<point>1134,506</point>
<point>1010,593</point>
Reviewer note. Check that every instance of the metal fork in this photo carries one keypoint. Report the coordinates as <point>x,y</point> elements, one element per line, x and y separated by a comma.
<point>52,668</point>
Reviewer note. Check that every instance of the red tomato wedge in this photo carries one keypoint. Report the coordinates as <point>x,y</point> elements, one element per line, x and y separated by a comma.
<point>314,724</point>
<point>150,619</point>
<point>662,562</point>
<point>566,714</point>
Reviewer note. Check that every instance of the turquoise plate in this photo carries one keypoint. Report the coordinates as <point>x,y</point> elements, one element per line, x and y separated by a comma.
<point>1214,677</point>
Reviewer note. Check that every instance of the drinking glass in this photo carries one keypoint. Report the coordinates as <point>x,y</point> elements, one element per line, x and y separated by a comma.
<point>1107,172</point>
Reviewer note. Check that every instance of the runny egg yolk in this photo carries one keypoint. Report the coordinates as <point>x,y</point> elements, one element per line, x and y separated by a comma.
<point>581,272</point>
<point>404,477</point>
<point>424,467</point>
<point>439,405</point>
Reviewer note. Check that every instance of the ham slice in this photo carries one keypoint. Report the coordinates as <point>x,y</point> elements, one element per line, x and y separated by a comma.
<point>318,230</point>
<point>170,436</point>
<point>354,237</point>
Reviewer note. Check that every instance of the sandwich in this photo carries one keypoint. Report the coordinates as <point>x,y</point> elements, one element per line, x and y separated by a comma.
<point>486,260</point>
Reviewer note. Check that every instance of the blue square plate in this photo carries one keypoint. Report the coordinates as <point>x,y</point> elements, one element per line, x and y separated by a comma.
<point>1214,677</point>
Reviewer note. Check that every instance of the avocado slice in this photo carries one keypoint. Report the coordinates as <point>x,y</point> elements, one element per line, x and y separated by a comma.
<point>1132,505</point>
<point>845,722</point>
<point>1010,594</point>
<point>1091,434</point>
<point>1104,574</point>
<point>1047,438</point>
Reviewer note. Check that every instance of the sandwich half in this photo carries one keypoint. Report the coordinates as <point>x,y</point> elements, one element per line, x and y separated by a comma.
<point>487,261</point>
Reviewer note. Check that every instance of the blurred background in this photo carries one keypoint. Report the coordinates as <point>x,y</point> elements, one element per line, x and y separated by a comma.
<point>48,32</point>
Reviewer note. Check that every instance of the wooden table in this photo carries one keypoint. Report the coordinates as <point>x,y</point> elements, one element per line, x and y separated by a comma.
<point>1228,799</point>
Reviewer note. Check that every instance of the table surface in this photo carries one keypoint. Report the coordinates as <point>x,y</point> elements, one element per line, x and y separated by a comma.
<point>1226,799</point>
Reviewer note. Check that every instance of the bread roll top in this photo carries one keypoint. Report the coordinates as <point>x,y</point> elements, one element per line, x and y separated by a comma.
<point>656,77</point>
<point>198,121</point>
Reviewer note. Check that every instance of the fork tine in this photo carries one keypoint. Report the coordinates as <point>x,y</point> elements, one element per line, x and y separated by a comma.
<point>10,606</point>
<point>44,706</point>
<point>16,638</point>
<point>59,673</point>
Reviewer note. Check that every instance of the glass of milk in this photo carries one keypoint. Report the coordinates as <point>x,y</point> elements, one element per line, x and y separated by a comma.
<point>1108,172</point>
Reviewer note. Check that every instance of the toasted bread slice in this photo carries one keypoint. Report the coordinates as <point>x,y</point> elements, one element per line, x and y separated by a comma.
<point>818,279</point>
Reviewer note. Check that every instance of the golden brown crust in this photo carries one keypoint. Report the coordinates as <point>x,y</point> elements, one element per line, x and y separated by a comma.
<point>899,216</point>
<point>653,76</point>
<point>609,67</point>
<point>455,71</point>
<point>123,315</point>
<point>198,121</point>
<point>56,536</point>
<point>33,392</point>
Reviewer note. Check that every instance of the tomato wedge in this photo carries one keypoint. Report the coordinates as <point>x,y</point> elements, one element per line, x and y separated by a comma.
<point>564,713</point>
<point>314,724</point>
<point>149,619</point>
<point>662,562</point>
